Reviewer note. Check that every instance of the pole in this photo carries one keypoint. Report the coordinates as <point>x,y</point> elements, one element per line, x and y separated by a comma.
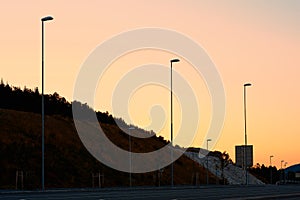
<point>271,174</point>
<point>43,104</point>
<point>207,162</point>
<point>172,165</point>
<point>284,176</point>
<point>130,155</point>
<point>245,151</point>
<point>245,147</point>
<point>281,170</point>
<point>43,117</point>
<point>130,160</point>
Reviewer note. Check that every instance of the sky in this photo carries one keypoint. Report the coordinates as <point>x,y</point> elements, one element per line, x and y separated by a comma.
<point>255,41</point>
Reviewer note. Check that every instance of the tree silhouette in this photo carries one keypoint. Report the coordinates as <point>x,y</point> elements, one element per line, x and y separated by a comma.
<point>264,173</point>
<point>14,98</point>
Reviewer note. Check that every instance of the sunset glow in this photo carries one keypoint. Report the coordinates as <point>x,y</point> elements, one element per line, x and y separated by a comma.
<point>248,41</point>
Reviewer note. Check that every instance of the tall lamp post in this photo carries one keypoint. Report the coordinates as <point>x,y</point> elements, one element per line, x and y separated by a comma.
<point>44,19</point>
<point>172,166</point>
<point>208,140</point>
<point>129,141</point>
<point>245,152</point>
<point>271,174</point>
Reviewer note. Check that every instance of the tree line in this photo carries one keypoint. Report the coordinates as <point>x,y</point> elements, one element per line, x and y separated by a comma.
<point>15,98</point>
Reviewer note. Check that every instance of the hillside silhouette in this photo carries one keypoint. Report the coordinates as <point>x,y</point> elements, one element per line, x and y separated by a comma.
<point>67,162</point>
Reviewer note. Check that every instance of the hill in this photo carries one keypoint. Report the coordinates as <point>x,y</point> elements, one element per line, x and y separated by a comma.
<point>67,162</point>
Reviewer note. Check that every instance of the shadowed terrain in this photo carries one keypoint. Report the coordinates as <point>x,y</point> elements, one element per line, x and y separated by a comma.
<point>67,162</point>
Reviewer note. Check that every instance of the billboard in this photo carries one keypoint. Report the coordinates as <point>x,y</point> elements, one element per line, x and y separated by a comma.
<point>240,150</point>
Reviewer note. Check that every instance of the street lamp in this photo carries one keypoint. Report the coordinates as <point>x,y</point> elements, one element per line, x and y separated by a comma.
<point>172,167</point>
<point>245,152</point>
<point>208,140</point>
<point>284,176</point>
<point>281,170</point>
<point>271,169</point>
<point>129,141</point>
<point>44,19</point>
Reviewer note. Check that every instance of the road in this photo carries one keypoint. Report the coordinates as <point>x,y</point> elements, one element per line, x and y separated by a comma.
<point>290,192</point>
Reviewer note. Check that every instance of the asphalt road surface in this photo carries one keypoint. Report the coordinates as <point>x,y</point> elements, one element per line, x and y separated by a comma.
<point>290,192</point>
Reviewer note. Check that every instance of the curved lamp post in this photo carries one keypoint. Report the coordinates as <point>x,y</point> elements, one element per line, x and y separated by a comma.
<point>172,167</point>
<point>129,141</point>
<point>245,152</point>
<point>208,140</point>
<point>282,161</point>
<point>44,19</point>
<point>271,174</point>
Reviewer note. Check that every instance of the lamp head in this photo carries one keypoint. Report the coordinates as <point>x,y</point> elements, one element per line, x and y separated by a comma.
<point>247,84</point>
<point>48,18</point>
<point>175,60</point>
<point>208,140</point>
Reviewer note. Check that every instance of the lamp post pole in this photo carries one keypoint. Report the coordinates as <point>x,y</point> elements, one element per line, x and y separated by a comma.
<point>172,165</point>
<point>130,167</point>
<point>44,19</point>
<point>245,151</point>
<point>208,140</point>
<point>284,177</point>
<point>271,174</point>
<point>281,170</point>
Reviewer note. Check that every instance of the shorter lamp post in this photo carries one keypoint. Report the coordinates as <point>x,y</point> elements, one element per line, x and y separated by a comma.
<point>129,141</point>
<point>271,169</point>
<point>208,140</point>
<point>281,170</point>
<point>284,177</point>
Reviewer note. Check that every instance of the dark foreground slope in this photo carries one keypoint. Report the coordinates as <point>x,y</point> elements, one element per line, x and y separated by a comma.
<point>67,162</point>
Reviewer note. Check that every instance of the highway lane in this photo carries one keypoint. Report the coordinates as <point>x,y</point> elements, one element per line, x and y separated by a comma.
<point>184,193</point>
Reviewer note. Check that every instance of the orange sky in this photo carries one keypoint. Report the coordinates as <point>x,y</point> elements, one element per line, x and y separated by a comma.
<point>255,41</point>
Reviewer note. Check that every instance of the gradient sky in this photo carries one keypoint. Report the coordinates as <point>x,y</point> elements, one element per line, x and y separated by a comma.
<point>255,41</point>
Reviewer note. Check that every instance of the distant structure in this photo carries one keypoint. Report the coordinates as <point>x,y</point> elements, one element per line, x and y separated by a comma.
<point>239,155</point>
<point>292,173</point>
